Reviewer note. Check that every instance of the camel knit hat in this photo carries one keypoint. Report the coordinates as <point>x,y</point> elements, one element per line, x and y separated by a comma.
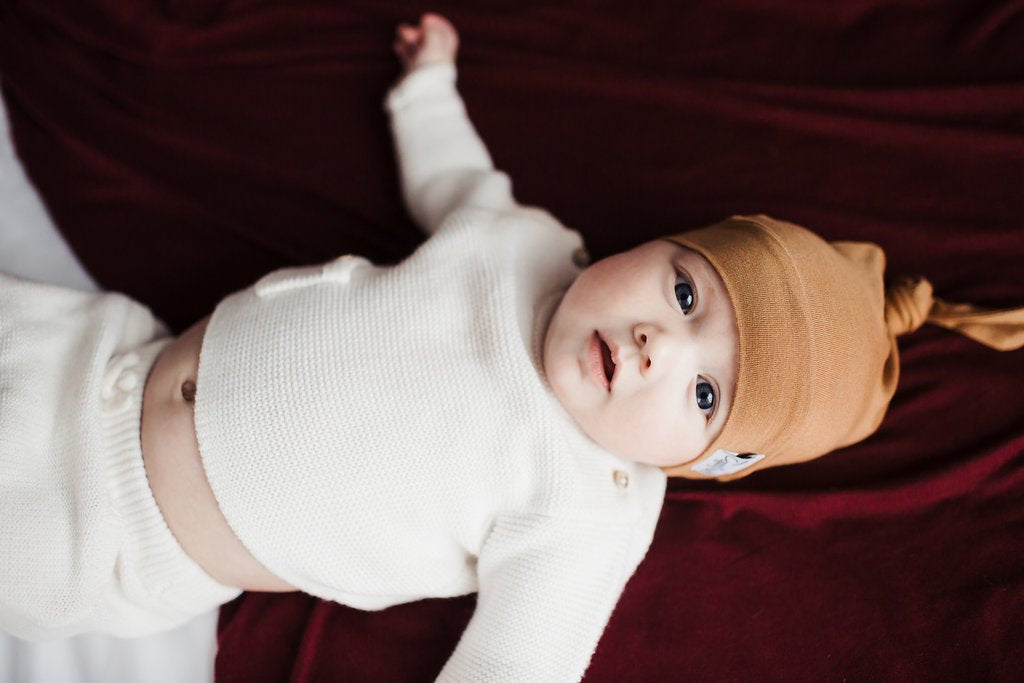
<point>818,361</point>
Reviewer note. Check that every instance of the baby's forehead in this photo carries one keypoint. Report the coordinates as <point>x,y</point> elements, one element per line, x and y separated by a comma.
<point>705,266</point>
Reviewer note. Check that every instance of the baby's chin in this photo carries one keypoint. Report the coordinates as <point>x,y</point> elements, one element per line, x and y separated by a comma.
<point>655,456</point>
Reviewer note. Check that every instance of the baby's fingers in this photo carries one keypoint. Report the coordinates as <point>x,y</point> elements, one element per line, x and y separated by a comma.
<point>410,35</point>
<point>408,41</point>
<point>439,33</point>
<point>433,40</point>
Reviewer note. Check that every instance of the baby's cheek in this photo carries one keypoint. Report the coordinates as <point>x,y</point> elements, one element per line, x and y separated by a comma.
<point>639,430</point>
<point>672,432</point>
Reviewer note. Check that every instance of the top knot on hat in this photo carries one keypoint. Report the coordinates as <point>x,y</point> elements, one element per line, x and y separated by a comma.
<point>908,301</point>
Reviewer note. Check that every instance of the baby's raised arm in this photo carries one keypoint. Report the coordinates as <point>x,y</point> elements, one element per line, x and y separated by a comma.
<point>442,160</point>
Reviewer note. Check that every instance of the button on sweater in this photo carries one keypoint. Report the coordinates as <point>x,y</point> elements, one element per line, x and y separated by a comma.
<point>376,435</point>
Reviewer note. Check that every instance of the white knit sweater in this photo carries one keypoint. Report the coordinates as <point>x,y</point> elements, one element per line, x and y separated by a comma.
<point>377,435</point>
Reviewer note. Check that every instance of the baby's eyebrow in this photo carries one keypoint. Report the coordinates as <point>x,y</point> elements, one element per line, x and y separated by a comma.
<point>708,280</point>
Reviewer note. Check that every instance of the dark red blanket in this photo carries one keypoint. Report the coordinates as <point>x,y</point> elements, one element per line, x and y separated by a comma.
<point>185,148</point>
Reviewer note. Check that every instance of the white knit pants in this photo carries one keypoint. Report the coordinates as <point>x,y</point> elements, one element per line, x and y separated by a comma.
<point>83,546</point>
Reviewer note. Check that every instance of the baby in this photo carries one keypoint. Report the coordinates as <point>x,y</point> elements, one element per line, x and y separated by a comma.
<point>490,415</point>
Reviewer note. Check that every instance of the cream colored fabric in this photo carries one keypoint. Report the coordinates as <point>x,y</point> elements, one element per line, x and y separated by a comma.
<point>818,360</point>
<point>83,546</point>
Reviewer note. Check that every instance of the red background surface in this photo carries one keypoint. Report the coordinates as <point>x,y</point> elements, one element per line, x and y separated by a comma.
<point>186,148</point>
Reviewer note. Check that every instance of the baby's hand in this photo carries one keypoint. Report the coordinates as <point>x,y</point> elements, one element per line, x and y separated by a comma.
<point>434,40</point>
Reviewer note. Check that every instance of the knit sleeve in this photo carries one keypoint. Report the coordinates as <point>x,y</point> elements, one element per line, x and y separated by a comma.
<point>442,161</point>
<point>546,592</point>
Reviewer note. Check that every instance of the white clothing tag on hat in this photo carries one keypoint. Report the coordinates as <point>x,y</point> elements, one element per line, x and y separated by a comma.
<point>723,462</point>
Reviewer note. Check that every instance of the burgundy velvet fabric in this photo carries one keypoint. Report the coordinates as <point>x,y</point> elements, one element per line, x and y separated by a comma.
<point>185,148</point>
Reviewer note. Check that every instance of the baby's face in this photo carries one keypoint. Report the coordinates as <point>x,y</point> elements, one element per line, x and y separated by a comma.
<point>642,353</point>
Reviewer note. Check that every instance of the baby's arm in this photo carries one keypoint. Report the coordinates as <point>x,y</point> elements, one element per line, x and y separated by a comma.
<point>442,161</point>
<point>547,588</point>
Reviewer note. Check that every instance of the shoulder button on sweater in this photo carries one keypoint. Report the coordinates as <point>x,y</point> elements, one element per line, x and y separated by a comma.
<point>621,479</point>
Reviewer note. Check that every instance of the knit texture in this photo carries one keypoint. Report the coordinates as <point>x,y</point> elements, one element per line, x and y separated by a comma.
<point>83,546</point>
<point>379,435</point>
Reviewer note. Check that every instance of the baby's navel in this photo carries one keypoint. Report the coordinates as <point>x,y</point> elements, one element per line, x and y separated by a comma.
<point>188,390</point>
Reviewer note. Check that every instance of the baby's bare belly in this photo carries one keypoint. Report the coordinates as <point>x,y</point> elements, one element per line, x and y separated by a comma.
<point>174,467</point>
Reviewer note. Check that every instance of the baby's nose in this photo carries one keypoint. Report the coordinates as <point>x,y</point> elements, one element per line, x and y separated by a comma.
<point>660,349</point>
<point>642,336</point>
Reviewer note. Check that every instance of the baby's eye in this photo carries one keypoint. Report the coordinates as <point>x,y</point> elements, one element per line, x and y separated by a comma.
<point>684,293</point>
<point>705,396</point>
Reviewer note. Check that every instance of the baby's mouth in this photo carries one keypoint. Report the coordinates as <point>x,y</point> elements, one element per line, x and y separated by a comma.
<point>607,362</point>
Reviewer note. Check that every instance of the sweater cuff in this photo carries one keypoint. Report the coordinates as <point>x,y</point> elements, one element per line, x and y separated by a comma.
<point>171,584</point>
<point>438,77</point>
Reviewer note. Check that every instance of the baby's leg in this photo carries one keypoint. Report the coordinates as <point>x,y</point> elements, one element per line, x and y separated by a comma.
<point>85,547</point>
